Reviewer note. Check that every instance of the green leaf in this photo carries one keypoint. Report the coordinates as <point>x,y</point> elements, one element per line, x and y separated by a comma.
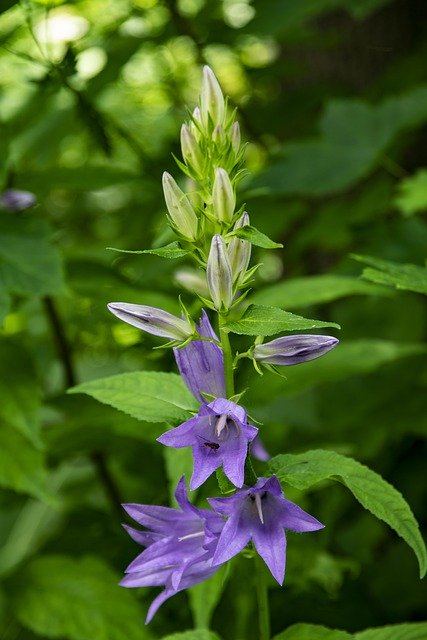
<point>412,631</point>
<point>77,599</point>
<point>153,396</point>
<point>205,596</point>
<point>264,321</point>
<point>197,634</point>
<point>19,391</point>
<point>21,465</point>
<point>29,263</point>
<point>4,303</point>
<point>353,135</point>
<point>412,193</point>
<point>303,631</point>
<point>311,290</point>
<point>83,178</point>
<point>171,251</point>
<point>368,487</point>
<point>255,237</point>
<point>409,277</point>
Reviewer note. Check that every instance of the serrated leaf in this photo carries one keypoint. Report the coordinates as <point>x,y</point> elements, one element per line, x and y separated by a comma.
<point>353,134</point>
<point>29,263</point>
<point>259,320</point>
<point>311,290</point>
<point>255,237</point>
<point>171,251</point>
<point>205,596</point>
<point>153,396</point>
<point>411,631</point>
<point>77,599</point>
<point>19,391</point>
<point>303,631</point>
<point>197,634</point>
<point>409,277</point>
<point>368,487</point>
<point>412,193</point>
<point>21,465</point>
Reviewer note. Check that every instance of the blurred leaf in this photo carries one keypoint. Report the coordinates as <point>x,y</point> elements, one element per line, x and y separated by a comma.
<point>255,237</point>
<point>205,596</point>
<point>171,251</point>
<point>21,465</point>
<point>353,136</point>
<point>78,599</point>
<point>311,290</point>
<point>266,321</point>
<point>409,277</point>
<point>87,177</point>
<point>197,634</point>
<point>4,303</point>
<point>29,263</point>
<point>19,391</point>
<point>412,631</point>
<point>303,631</point>
<point>412,193</point>
<point>153,396</point>
<point>368,487</point>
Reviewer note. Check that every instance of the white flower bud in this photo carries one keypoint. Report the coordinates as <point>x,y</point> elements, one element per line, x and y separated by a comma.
<point>190,150</point>
<point>193,281</point>
<point>235,137</point>
<point>219,276</point>
<point>211,99</point>
<point>223,198</point>
<point>180,210</point>
<point>152,320</point>
<point>239,251</point>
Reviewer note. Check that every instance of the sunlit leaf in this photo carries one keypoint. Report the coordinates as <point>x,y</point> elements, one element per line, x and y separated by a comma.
<point>266,321</point>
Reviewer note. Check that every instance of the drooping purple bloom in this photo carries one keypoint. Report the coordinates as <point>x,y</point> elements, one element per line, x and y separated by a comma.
<point>180,544</point>
<point>219,435</point>
<point>260,513</point>
<point>201,363</point>
<point>152,320</point>
<point>289,350</point>
<point>17,200</point>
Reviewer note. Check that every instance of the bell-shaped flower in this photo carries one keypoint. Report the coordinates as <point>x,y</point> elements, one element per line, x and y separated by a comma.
<point>180,544</point>
<point>260,513</point>
<point>289,350</point>
<point>152,320</point>
<point>219,275</point>
<point>219,435</point>
<point>201,363</point>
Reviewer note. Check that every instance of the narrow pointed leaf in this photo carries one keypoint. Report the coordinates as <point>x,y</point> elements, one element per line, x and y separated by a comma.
<point>171,251</point>
<point>368,487</point>
<point>255,237</point>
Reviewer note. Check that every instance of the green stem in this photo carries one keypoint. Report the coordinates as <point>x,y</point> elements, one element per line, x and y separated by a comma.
<point>262,595</point>
<point>228,356</point>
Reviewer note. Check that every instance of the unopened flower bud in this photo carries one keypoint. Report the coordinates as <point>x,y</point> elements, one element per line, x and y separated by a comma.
<point>152,320</point>
<point>17,200</point>
<point>193,281</point>
<point>180,210</point>
<point>211,99</point>
<point>235,137</point>
<point>223,198</point>
<point>290,350</point>
<point>239,251</point>
<point>219,276</point>
<point>218,134</point>
<point>190,150</point>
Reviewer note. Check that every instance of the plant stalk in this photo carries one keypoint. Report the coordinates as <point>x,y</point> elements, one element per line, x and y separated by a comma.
<point>262,596</point>
<point>228,356</point>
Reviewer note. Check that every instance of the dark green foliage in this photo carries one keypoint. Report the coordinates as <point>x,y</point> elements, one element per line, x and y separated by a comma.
<point>332,98</point>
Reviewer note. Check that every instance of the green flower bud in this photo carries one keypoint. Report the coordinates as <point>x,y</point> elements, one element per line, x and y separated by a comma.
<point>223,198</point>
<point>182,216</point>
<point>211,99</point>
<point>190,150</point>
<point>219,276</point>
<point>239,251</point>
<point>235,137</point>
<point>193,281</point>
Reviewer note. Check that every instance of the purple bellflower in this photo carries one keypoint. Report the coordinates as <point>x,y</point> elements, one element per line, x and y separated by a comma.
<point>219,435</point>
<point>180,544</point>
<point>201,363</point>
<point>289,350</point>
<point>17,200</point>
<point>260,513</point>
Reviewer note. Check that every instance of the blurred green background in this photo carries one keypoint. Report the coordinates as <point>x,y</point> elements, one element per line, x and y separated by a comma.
<point>332,99</point>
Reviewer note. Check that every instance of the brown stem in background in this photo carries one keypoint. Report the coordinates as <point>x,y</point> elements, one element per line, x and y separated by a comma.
<point>64,352</point>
